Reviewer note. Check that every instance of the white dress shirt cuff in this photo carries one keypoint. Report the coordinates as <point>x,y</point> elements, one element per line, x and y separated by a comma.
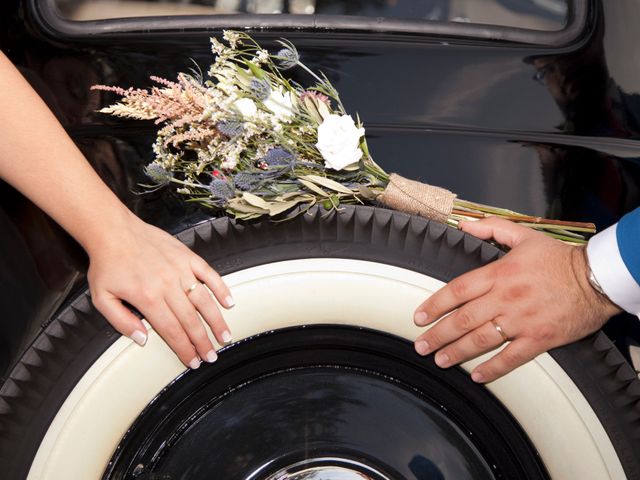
<point>611,272</point>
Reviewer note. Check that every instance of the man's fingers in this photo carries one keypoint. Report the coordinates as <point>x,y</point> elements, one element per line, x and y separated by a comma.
<point>456,325</point>
<point>517,353</point>
<point>475,343</point>
<point>211,279</point>
<point>120,317</point>
<point>503,231</point>
<point>457,292</point>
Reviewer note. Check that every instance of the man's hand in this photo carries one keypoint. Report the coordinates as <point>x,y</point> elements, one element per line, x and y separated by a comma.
<point>538,294</point>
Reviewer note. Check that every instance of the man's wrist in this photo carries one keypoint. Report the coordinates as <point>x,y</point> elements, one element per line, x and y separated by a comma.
<point>591,284</point>
<point>611,271</point>
<point>593,281</point>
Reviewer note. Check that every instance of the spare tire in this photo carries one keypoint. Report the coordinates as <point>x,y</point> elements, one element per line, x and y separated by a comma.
<point>322,380</point>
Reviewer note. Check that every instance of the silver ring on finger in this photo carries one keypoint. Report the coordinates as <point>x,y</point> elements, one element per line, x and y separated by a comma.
<point>505,337</point>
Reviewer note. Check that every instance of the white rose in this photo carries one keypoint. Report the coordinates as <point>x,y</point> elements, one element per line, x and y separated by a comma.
<point>246,107</point>
<point>280,103</point>
<point>339,141</point>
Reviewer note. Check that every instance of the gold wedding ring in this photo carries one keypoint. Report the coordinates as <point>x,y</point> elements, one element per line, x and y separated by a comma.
<point>500,331</point>
<point>191,288</point>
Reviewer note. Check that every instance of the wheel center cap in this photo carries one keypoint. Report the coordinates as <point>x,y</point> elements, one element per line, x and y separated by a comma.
<point>327,469</point>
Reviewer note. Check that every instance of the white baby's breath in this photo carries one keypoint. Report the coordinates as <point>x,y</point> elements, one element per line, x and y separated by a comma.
<point>232,37</point>
<point>228,154</point>
<point>280,102</point>
<point>217,47</point>
<point>262,57</point>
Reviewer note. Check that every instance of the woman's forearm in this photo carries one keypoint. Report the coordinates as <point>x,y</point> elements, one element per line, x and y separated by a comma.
<point>41,161</point>
<point>130,260</point>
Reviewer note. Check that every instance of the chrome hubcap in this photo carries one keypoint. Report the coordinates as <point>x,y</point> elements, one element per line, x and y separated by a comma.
<point>327,469</point>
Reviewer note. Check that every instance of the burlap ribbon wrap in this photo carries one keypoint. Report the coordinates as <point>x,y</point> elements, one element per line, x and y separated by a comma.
<point>417,198</point>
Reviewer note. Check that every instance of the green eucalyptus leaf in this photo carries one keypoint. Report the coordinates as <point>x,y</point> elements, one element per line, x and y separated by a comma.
<point>313,187</point>
<point>279,207</point>
<point>240,205</point>
<point>256,201</point>
<point>327,183</point>
<point>290,195</point>
<point>256,70</point>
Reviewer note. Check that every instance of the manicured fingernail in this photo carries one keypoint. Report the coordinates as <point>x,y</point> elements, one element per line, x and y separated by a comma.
<point>139,337</point>
<point>422,347</point>
<point>477,377</point>
<point>420,318</point>
<point>211,356</point>
<point>195,363</point>
<point>442,360</point>
<point>226,336</point>
<point>229,302</point>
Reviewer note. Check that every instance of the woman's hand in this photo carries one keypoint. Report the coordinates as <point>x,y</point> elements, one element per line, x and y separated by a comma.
<point>164,280</point>
<point>130,260</point>
<point>537,296</point>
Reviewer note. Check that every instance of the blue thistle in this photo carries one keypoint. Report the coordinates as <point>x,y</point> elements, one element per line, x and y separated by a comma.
<point>260,89</point>
<point>158,174</point>
<point>230,128</point>
<point>246,181</point>
<point>288,57</point>
<point>278,156</point>
<point>221,189</point>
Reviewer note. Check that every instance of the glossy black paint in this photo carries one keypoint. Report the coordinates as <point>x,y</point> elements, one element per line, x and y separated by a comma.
<point>546,130</point>
<point>325,392</point>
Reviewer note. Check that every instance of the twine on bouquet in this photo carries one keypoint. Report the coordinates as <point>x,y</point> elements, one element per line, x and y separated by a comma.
<point>418,198</point>
<point>440,204</point>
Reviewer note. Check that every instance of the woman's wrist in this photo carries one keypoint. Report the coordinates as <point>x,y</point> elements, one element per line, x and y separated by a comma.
<point>107,230</point>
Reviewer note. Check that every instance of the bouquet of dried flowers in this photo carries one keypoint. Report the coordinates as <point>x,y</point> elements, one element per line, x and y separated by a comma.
<point>248,141</point>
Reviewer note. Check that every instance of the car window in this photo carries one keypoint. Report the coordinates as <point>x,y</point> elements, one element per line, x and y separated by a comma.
<point>542,15</point>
